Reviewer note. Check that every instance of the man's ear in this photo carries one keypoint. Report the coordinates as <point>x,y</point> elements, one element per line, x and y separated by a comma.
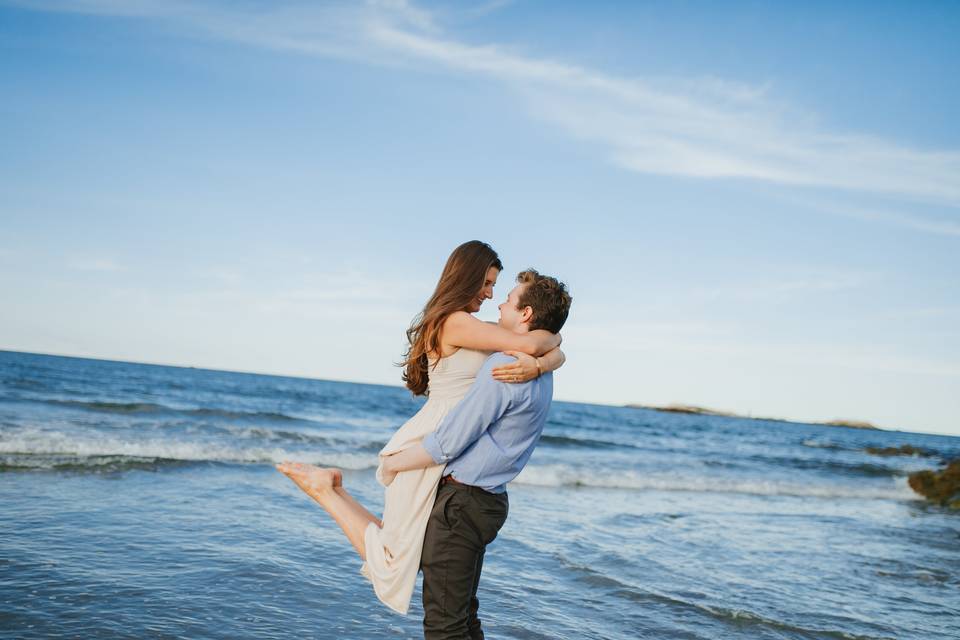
<point>527,314</point>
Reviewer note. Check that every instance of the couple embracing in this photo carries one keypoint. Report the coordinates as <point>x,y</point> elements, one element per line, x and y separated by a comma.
<point>445,471</point>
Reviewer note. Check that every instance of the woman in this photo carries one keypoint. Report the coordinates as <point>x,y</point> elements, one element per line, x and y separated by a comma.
<point>447,347</point>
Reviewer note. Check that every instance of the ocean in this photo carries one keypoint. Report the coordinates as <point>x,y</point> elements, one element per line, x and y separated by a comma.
<point>141,501</point>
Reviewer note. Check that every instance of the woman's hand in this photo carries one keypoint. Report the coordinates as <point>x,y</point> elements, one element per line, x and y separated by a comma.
<point>523,369</point>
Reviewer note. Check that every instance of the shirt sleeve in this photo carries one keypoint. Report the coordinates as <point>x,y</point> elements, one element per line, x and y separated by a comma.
<point>485,403</point>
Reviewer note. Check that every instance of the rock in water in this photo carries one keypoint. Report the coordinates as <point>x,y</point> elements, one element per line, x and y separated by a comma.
<point>942,487</point>
<point>905,450</point>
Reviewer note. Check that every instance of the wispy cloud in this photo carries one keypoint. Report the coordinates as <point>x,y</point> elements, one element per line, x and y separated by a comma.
<point>709,129</point>
<point>868,358</point>
<point>95,264</point>
<point>699,128</point>
<point>936,226</point>
<point>727,344</point>
<point>920,313</point>
<point>341,289</point>
<point>788,286</point>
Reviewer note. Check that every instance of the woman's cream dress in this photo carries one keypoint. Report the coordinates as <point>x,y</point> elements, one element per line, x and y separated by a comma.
<point>393,552</point>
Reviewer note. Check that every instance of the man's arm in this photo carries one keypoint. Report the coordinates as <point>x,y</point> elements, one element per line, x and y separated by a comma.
<point>415,457</point>
<point>485,402</point>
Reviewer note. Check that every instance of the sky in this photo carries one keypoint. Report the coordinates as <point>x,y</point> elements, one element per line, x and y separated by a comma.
<point>755,205</point>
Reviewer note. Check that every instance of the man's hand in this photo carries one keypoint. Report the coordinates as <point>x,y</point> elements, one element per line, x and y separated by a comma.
<point>415,457</point>
<point>388,477</point>
<point>388,472</point>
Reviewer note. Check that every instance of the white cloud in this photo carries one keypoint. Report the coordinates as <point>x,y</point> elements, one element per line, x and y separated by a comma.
<point>787,286</point>
<point>344,285</point>
<point>106,265</point>
<point>919,313</point>
<point>701,127</point>
<point>710,129</point>
<point>936,226</point>
<point>725,345</point>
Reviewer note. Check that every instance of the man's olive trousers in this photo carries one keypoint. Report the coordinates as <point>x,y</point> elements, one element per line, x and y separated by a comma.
<point>463,522</point>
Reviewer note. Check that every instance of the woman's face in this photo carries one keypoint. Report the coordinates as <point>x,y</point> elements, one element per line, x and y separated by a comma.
<point>486,292</point>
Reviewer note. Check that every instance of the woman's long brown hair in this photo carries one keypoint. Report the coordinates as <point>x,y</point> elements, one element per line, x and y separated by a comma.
<point>461,281</point>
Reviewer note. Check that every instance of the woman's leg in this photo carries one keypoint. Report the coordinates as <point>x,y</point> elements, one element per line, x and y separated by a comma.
<point>326,487</point>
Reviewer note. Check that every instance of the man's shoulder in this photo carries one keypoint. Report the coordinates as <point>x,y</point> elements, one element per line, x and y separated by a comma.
<point>492,385</point>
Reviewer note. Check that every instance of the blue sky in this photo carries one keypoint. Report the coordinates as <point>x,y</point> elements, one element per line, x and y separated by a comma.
<point>755,204</point>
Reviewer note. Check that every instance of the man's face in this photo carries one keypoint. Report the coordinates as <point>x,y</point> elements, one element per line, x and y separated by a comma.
<point>510,317</point>
<point>486,292</point>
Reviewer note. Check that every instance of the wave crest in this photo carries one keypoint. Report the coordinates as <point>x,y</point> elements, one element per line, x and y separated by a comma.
<point>46,450</point>
<point>150,407</point>
<point>564,476</point>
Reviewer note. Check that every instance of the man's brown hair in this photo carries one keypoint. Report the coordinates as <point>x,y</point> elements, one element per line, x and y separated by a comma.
<point>548,297</point>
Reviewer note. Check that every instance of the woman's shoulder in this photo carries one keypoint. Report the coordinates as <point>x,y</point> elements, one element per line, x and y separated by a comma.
<point>452,330</point>
<point>458,318</point>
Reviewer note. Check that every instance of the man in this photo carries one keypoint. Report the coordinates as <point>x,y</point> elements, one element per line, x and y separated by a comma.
<point>485,441</point>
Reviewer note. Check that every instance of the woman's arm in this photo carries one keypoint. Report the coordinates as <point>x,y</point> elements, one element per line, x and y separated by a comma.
<point>463,330</point>
<point>525,368</point>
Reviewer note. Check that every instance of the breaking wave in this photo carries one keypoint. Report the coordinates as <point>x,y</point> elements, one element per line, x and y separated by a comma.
<point>149,407</point>
<point>564,476</point>
<point>51,450</point>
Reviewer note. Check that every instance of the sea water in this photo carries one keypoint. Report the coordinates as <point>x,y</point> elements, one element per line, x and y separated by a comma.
<point>141,501</point>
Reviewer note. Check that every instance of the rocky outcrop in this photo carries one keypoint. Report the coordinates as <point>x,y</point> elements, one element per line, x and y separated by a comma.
<point>904,450</point>
<point>941,487</point>
<point>683,408</point>
<point>703,411</point>
<point>853,424</point>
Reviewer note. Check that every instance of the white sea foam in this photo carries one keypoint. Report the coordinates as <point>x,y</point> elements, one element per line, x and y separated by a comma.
<point>55,443</point>
<point>360,422</point>
<point>37,443</point>
<point>564,476</point>
<point>820,444</point>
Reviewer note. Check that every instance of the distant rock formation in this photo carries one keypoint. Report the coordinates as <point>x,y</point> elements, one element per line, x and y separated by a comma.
<point>853,424</point>
<point>703,411</point>
<point>683,408</point>
<point>941,487</point>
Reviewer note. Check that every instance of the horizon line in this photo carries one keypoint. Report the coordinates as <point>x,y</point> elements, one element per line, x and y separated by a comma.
<point>626,405</point>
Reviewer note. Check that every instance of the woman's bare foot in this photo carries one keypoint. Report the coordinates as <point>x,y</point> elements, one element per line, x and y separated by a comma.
<point>311,478</point>
<point>326,487</point>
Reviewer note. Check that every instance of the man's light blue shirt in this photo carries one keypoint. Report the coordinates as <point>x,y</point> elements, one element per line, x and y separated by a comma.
<point>486,439</point>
